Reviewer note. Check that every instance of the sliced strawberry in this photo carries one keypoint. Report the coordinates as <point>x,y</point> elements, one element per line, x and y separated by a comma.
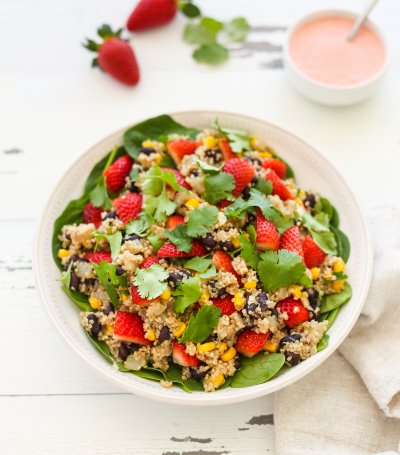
<point>149,261</point>
<point>128,206</point>
<point>98,256</point>
<point>249,343</point>
<point>224,203</point>
<point>225,305</point>
<point>178,149</point>
<point>180,356</point>
<point>136,298</point>
<point>295,310</point>
<point>169,250</point>
<point>173,221</point>
<point>226,150</point>
<point>290,240</point>
<point>116,174</point>
<point>242,171</point>
<point>92,214</point>
<point>313,255</point>
<point>267,234</point>
<point>223,262</point>
<point>278,186</point>
<point>180,179</point>
<point>129,327</point>
<point>276,165</point>
<point>151,13</point>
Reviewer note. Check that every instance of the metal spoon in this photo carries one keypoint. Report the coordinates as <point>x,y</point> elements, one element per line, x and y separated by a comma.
<point>360,19</point>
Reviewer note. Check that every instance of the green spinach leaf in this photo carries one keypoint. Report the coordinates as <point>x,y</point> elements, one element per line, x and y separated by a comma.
<point>258,369</point>
<point>333,301</point>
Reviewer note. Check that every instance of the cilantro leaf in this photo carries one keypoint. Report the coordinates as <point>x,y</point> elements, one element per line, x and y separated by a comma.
<point>281,268</point>
<point>134,175</point>
<point>320,223</point>
<point>99,196</point>
<point>198,264</point>
<point>179,237</point>
<point>201,325</point>
<point>212,271</point>
<point>190,10</point>
<point>159,207</point>
<point>213,54</point>
<point>326,241</point>
<point>204,32</point>
<point>200,220</point>
<point>108,278</point>
<point>249,253</point>
<point>139,226</point>
<point>187,293</point>
<point>218,187</point>
<point>318,227</point>
<point>264,186</point>
<point>150,281</point>
<point>208,169</point>
<point>239,139</point>
<point>114,240</point>
<point>237,29</point>
<point>155,240</point>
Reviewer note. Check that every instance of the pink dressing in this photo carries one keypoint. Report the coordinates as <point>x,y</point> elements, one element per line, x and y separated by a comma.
<point>320,50</point>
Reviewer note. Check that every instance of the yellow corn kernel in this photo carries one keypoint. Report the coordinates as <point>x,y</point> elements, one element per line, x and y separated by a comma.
<point>179,331</point>
<point>192,203</point>
<point>295,291</point>
<point>339,266</point>
<point>236,242</point>
<point>222,347</point>
<point>265,154</point>
<point>204,297</point>
<point>338,285</point>
<point>302,194</point>
<point>228,355</point>
<point>328,276</point>
<point>238,301</point>
<point>158,158</point>
<point>250,284</point>
<point>315,271</point>
<point>166,294</point>
<point>270,346</point>
<point>151,335</point>
<point>62,253</point>
<point>148,143</point>
<point>298,201</point>
<point>246,235</point>
<point>218,380</point>
<point>210,142</point>
<point>110,329</point>
<point>94,303</point>
<point>206,347</point>
<point>124,297</point>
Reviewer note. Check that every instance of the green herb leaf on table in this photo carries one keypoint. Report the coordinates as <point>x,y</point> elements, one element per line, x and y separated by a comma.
<point>198,264</point>
<point>203,32</point>
<point>201,325</point>
<point>114,240</point>
<point>213,54</point>
<point>151,281</point>
<point>200,220</point>
<point>218,187</point>
<point>257,370</point>
<point>179,237</point>
<point>237,29</point>
<point>187,293</point>
<point>332,301</point>
<point>189,9</point>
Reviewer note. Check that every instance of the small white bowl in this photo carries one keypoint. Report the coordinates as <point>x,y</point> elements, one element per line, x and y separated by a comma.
<point>325,93</point>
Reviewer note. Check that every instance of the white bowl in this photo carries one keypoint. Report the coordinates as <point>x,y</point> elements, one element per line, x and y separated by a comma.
<point>313,171</point>
<point>326,93</point>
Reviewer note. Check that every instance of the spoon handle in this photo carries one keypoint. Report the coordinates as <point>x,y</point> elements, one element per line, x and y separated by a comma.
<point>360,20</point>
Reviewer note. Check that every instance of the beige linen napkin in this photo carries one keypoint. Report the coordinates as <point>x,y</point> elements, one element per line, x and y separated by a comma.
<point>351,403</point>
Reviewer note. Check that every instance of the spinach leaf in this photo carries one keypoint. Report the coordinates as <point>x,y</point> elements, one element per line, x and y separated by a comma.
<point>323,342</point>
<point>258,369</point>
<point>333,301</point>
<point>148,373</point>
<point>102,347</point>
<point>201,325</point>
<point>330,316</point>
<point>174,374</point>
<point>343,243</point>
<point>80,300</point>
<point>167,161</point>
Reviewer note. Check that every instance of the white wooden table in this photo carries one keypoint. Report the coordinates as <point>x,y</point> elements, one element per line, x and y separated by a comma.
<point>52,107</point>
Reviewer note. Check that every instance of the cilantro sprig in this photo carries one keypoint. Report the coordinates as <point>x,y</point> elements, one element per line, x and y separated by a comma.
<point>187,293</point>
<point>151,281</point>
<point>114,240</point>
<point>201,325</point>
<point>218,187</point>
<point>318,227</point>
<point>239,140</point>
<point>112,283</point>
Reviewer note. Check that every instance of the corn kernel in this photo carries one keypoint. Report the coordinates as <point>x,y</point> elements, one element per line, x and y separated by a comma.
<point>151,335</point>
<point>250,284</point>
<point>148,143</point>
<point>328,276</point>
<point>204,297</point>
<point>210,142</point>
<point>218,380</point>
<point>265,155</point>
<point>298,201</point>
<point>295,291</point>
<point>158,158</point>
<point>238,301</point>
<point>270,346</point>
<point>94,303</point>
<point>166,294</point>
<point>302,194</point>
<point>315,271</point>
<point>206,347</point>
<point>338,285</point>
<point>179,331</point>
<point>236,242</point>
<point>246,236</point>
<point>339,266</point>
<point>228,355</point>
<point>124,297</point>
<point>62,253</point>
<point>192,203</point>
<point>110,329</point>
<point>222,347</point>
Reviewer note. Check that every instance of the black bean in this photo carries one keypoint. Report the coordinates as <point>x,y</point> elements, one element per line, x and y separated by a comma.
<point>221,293</point>
<point>275,312</point>
<point>194,172</point>
<point>147,150</point>
<point>119,270</point>
<point>292,358</point>
<point>227,246</point>
<point>254,180</point>
<point>173,279</point>
<point>131,237</point>
<point>215,154</point>
<point>133,188</point>
<point>109,309</point>
<point>164,334</point>
<point>110,215</point>
<point>262,297</point>
<point>212,284</point>
<point>89,281</point>
<point>185,274</point>
<point>315,314</point>
<point>252,307</point>
<point>95,327</point>
<point>208,241</point>
<point>246,193</point>
<point>198,375</point>
<point>237,364</point>
<point>289,339</point>
<point>251,217</point>
<point>313,297</point>
<point>123,351</point>
<point>75,282</point>
<point>310,200</point>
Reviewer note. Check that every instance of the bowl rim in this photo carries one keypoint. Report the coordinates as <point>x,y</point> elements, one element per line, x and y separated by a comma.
<point>319,14</point>
<point>203,398</point>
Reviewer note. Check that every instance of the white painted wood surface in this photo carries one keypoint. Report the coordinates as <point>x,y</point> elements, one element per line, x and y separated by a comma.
<point>52,107</point>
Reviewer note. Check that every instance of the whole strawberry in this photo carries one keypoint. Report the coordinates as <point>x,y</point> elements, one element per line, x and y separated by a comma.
<point>151,13</point>
<point>116,173</point>
<point>128,206</point>
<point>242,171</point>
<point>115,56</point>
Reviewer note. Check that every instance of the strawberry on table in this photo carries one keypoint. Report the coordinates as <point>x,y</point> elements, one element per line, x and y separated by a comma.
<point>128,206</point>
<point>136,297</point>
<point>278,186</point>
<point>151,13</point>
<point>115,56</point>
<point>250,343</point>
<point>149,261</point>
<point>116,174</point>
<point>295,310</point>
<point>242,171</point>
<point>92,214</point>
<point>180,179</point>
<point>267,234</point>
<point>180,356</point>
<point>129,327</point>
<point>313,255</point>
<point>178,149</point>
<point>225,305</point>
<point>290,240</point>
<point>99,256</point>
<point>173,221</point>
<point>169,250</point>
<point>276,165</point>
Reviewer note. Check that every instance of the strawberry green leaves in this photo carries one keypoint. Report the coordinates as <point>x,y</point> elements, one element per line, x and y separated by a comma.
<point>211,54</point>
<point>187,293</point>
<point>201,325</point>
<point>151,281</point>
<point>218,187</point>
<point>237,29</point>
